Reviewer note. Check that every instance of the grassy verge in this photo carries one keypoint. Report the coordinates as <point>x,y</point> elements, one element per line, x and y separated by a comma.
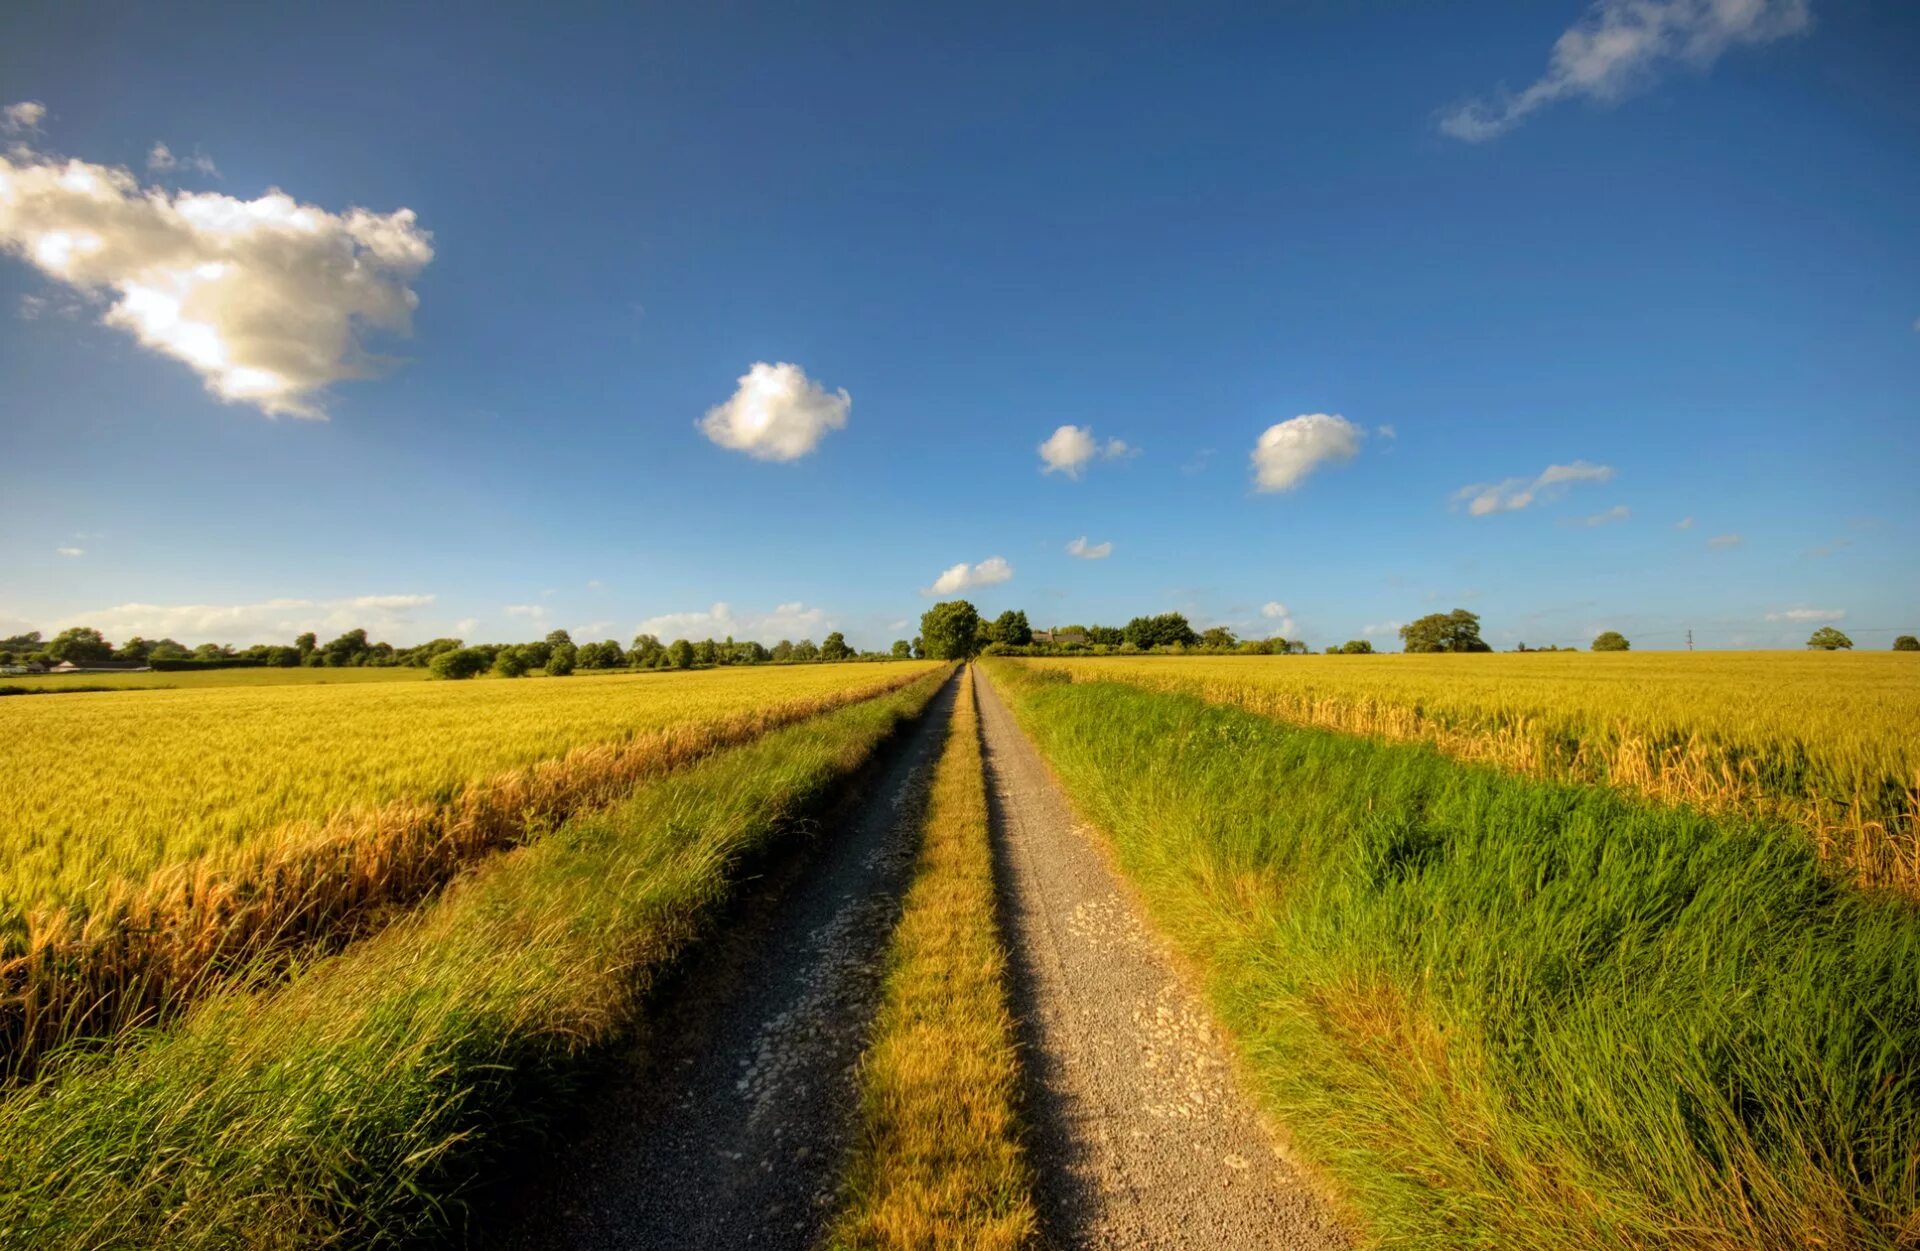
<point>937,1161</point>
<point>1504,1012</point>
<point>140,953</point>
<point>351,1107</point>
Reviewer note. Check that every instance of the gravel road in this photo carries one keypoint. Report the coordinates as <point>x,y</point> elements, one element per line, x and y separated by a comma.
<point>728,1131</point>
<point>1141,1137</point>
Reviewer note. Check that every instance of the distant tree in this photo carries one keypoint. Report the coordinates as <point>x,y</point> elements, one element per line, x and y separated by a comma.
<point>135,649</point>
<point>22,644</point>
<point>167,649</point>
<point>1169,629</point>
<point>1828,639</point>
<point>1106,636</point>
<point>562,658</point>
<point>511,662</point>
<point>835,648</point>
<point>1906,643</point>
<point>705,652</point>
<point>349,649</point>
<point>83,645</point>
<point>1218,638</point>
<point>919,648</point>
<point>306,644</point>
<point>1611,641</point>
<point>1011,628</point>
<point>806,651</point>
<point>1356,647</point>
<point>461,662</point>
<point>680,653</point>
<point>646,652</point>
<point>951,630</point>
<point>1456,631</point>
<point>557,637</point>
<point>902,650</point>
<point>783,650</point>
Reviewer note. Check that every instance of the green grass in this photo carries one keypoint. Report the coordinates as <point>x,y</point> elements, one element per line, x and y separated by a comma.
<point>352,1107</point>
<point>195,679</point>
<point>1502,1012</point>
<point>937,1161</point>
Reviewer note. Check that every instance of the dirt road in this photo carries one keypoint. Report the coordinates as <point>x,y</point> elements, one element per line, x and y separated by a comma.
<point>1141,1137</point>
<point>728,1130</point>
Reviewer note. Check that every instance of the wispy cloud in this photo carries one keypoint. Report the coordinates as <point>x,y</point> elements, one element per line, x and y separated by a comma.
<point>1070,449</point>
<point>1725,542</point>
<point>794,620</point>
<point>1619,512</point>
<point>162,160</point>
<point>1685,523</point>
<point>964,577</point>
<point>274,620</point>
<point>1381,627</point>
<point>1290,450</point>
<point>1089,551</point>
<point>1512,494</point>
<point>776,413</point>
<point>1808,614</point>
<point>532,612</point>
<point>22,118</point>
<point>1622,45</point>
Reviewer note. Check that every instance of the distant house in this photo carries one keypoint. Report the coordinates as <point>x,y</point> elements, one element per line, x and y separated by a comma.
<point>102,666</point>
<point>24,667</point>
<point>1069,638</point>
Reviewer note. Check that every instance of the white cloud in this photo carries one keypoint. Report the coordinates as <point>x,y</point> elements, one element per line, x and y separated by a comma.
<point>270,621</point>
<point>961,577</point>
<point>789,621</point>
<point>1290,450</point>
<point>161,160</point>
<point>1279,618</point>
<point>1619,44</point>
<point>1723,542</point>
<point>1807,614</point>
<point>532,612</point>
<point>1619,512</point>
<point>1089,551</point>
<point>1070,449</point>
<point>1386,432</point>
<point>70,551</point>
<point>1382,627</point>
<point>776,413</point>
<point>592,629</point>
<point>265,299</point>
<point>23,118</point>
<point>1511,494</point>
<point>595,584</point>
<point>1685,523</point>
<point>465,627</point>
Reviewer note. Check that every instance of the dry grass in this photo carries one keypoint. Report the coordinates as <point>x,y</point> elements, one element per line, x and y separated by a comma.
<point>1828,742</point>
<point>937,1161</point>
<point>133,949</point>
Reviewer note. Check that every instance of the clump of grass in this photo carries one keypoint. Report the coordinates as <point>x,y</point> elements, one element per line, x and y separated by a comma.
<point>1830,743</point>
<point>137,950</point>
<point>1503,1012</point>
<point>937,1160</point>
<point>352,1106</point>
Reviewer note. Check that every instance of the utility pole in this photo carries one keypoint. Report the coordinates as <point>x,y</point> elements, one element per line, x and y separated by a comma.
<point>1689,638</point>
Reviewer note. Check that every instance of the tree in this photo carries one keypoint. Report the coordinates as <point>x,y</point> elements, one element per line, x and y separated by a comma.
<point>563,657</point>
<point>783,650</point>
<point>306,644</point>
<point>135,649</point>
<point>806,651</point>
<point>556,637</point>
<point>1828,639</point>
<point>835,648</point>
<point>919,648</point>
<point>1011,628</point>
<point>646,652</point>
<point>1218,638</point>
<point>1169,629</point>
<point>349,649</point>
<point>83,645</point>
<point>705,652</point>
<point>461,662</point>
<point>950,630</point>
<point>1356,647</point>
<point>1456,631</point>
<point>902,650</point>
<point>1906,643</point>
<point>1106,636</point>
<point>1611,641</point>
<point>511,662</point>
<point>680,654</point>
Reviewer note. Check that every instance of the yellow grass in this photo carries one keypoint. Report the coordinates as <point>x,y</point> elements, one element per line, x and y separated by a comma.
<point>937,1161</point>
<point>159,840</point>
<point>1830,742</point>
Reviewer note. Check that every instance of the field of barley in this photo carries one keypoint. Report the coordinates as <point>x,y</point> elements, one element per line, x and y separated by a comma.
<point>1828,741</point>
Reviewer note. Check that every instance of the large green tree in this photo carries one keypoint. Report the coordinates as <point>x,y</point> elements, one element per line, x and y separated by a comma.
<point>1906,643</point>
<point>950,630</point>
<point>1456,631</point>
<point>1011,628</point>
<point>1828,639</point>
<point>1611,641</point>
<point>83,645</point>
<point>902,649</point>
<point>1169,629</point>
<point>835,647</point>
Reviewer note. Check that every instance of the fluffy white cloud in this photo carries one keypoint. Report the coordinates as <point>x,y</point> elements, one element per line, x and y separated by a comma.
<point>270,621</point>
<point>789,621</point>
<point>265,299</point>
<point>23,118</point>
<point>1511,494</point>
<point>1290,450</point>
<point>1619,512</point>
<point>70,551</point>
<point>1620,44</point>
<point>776,413</point>
<point>962,577</point>
<point>1070,449</point>
<point>161,160</point>
<point>1808,614</point>
<point>1279,619</point>
<point>1089,551</point>
<point>1725,542</point>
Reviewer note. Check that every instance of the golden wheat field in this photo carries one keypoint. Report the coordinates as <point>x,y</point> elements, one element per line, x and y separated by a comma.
<point>1830,741</point>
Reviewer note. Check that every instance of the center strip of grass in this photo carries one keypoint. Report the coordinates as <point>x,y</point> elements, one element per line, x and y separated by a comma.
<point>937,1160</point>
<point>351,1107</point>
<point>1503,1012</point>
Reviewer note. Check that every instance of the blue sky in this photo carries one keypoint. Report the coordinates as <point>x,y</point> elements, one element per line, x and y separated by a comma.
<point>1668,249</point>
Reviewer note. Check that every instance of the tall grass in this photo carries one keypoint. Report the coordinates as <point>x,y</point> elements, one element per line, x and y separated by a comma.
<point>125,952</point>
<point>1829,742</point>
<point>1505,1012</point>
<point>353,1106</point>
<point>937,1160</point>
